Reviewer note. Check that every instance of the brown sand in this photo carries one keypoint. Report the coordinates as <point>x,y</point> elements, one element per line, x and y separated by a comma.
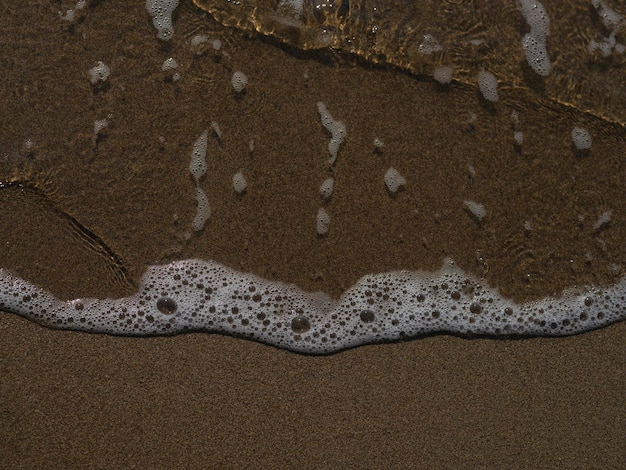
<point>84,218</point>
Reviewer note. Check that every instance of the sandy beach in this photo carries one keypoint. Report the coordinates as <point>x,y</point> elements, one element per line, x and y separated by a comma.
<point>84,214</point>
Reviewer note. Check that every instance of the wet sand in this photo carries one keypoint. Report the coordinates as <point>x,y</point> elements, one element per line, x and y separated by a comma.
<point>84,218</point>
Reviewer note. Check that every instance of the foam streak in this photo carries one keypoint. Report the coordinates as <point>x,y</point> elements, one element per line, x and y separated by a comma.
<point>194,295</point>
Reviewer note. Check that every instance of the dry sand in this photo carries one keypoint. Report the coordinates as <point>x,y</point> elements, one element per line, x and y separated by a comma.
<point>84,218</point>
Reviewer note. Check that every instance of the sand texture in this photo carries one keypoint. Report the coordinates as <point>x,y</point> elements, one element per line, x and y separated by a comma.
<point>82,216</point>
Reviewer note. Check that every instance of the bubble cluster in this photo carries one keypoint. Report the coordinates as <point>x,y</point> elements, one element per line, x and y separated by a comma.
<point>194,295</point>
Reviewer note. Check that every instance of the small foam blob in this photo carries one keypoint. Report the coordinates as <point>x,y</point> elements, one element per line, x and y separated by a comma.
<point>323,221</point>
<point>581,138</point>
<point>67,16</point>
<point>70,15</point>
<point>240,183</point>
<point>201,42</point>
<point>367,316</point>
<point>518,137</point>
<point>429,44</point>
<point>169,64</point>
<point>199,39</point>
<point>536,54</point>
<point>471,171</point>
<point>99,126</point>
<point>99,73</point>
<point>534,42</point>
<point>161,13</point>
<point>394,181</point>
<point>443,74</point>
<point>477,210</point>
<point>606,46</point>
<point>300,324</point>
<point>614,23</point>
<point>536,16</point>
<point>610,18</point>
<point>216,128</point>
<point>327,188</point>
<point>197,165</point>
<point>166,306</point>
<point>203,211</point>
<point>239,81</point>
<point>336,128</point>
<point>488,85</point>
<point>194,295</point>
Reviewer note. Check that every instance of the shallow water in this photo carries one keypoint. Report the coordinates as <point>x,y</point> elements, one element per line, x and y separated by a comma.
<point>130,188</point>
<point>466,35</point>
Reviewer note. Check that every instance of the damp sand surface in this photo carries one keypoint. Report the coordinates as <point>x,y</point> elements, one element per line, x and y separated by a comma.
<point>84,218</point>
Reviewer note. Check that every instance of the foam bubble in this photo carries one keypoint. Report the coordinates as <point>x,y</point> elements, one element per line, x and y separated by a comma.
<point>536,54</point>
<point>169,64</point>
<point>295,7</point>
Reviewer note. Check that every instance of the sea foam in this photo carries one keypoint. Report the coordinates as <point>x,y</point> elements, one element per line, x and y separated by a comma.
<point>194,295</point>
